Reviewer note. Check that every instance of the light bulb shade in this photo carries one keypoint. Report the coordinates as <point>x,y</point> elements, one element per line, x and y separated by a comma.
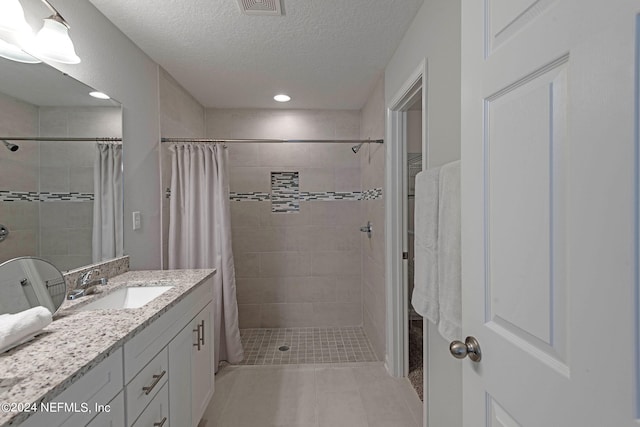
<point>15,33</point>
<point>14,53</point>
<point>53,42</point>
<point>12,18</point>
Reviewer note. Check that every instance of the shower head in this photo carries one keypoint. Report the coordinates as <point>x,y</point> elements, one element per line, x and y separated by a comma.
<point>10,146</point>
<point>356,148</point>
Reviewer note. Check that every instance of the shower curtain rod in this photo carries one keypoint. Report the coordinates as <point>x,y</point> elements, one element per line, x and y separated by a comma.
<point>57,138</point>
<point>207,140</point>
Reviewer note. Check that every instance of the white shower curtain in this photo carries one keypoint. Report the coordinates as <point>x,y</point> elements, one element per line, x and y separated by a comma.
<point>200,233</point>
<point>107,204</point>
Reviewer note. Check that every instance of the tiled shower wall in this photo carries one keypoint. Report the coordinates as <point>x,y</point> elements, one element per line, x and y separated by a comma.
<point>372,165</point>
<point>300,268</point>
<point>59,231</point>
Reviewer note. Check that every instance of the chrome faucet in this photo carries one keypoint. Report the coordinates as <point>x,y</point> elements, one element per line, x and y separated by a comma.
<point>87,284</point>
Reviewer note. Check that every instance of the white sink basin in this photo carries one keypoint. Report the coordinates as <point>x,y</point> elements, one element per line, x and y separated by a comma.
<point>127,297</point>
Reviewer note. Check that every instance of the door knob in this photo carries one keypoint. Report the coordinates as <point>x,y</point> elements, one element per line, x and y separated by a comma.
<point>470,347</point>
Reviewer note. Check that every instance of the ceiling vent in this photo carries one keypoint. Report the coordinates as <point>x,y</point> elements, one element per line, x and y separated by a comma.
<point>260,7</point>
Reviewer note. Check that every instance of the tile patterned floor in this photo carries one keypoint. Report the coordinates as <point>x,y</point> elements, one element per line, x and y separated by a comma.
<point>320,395</point>
<point>306,345</point>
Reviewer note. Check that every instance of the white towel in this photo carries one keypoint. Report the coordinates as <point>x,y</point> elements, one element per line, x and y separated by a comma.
<point>425,290</point>
<point>20,327</point>
<point>449,252</point>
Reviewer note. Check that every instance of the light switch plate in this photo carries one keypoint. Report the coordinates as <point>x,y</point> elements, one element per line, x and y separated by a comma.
<point>136,221</point>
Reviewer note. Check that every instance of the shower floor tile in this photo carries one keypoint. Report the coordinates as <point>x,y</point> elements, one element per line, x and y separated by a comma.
<point>293,346</point>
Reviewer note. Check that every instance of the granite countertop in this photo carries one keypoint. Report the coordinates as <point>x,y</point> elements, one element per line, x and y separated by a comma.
<point>77,341</point>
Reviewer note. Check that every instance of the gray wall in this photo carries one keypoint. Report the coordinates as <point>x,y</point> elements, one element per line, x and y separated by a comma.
<point>434,36</point>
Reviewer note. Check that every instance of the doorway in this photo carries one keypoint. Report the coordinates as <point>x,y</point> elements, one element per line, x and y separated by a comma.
<point>414,344</point>
<point>442,374</point>
<point>397,219</point>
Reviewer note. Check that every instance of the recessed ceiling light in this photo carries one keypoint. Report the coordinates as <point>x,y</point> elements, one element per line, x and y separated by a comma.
<point>282,98</point>
<point>99,95</point>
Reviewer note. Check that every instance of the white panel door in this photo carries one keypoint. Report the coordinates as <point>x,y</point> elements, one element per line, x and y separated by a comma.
<point>549,216</point>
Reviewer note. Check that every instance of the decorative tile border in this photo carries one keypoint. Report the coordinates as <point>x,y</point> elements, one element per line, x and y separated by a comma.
<point>249,197</point>
<point>330,195</point>
<point>19,196</point>
<point>45,196</point>
<point>318,196</point>
<point>66,197</point>
<point>305,196</point>
<point>373,194</point>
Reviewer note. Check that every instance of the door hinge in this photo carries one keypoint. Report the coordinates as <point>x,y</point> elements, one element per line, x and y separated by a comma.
<point>405,255</point>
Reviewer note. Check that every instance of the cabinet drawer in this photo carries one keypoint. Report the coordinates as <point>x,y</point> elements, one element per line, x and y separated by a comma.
<point>98,386</point>
<point>144,386</point>
<point>157,413</point>
<point>115,416</point>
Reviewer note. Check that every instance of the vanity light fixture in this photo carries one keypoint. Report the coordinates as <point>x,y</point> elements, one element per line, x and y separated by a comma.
<point>282,98</point>
<point>53,41</point>
<point>15,33</point>
<point>99,95</point>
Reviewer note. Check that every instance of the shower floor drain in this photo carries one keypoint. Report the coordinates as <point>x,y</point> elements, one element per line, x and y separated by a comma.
<point>283,348</point>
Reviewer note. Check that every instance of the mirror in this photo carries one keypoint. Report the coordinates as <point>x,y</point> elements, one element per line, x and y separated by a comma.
<point>30,282</point>
<point>48,187</point>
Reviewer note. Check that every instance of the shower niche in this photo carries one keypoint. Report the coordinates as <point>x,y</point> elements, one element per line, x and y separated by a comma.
<point>46,173</point>
<point>285,192</point>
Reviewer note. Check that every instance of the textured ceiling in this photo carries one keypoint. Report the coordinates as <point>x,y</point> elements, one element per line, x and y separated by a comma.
<point>325,54</point>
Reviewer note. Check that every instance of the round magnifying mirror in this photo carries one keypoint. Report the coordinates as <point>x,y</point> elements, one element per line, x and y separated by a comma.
<point>30,282</point>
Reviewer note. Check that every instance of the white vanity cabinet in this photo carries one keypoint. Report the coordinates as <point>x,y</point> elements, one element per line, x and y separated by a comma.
<point>191,370</point>
<point>169,365</point>
<point>162,376</point>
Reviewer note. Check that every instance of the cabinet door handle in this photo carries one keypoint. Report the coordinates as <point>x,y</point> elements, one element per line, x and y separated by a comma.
<point>202,338</point>
<point>197,344</point>
<point>161,423</point>
<point>156,380</point>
